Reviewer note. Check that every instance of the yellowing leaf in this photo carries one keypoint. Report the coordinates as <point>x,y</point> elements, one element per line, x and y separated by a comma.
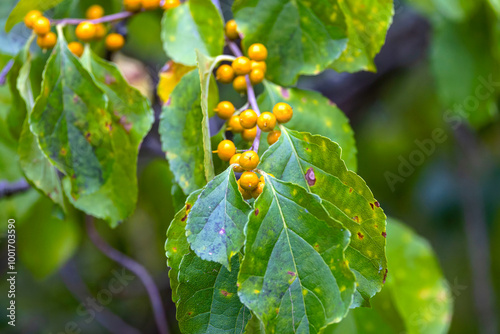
<point>170,78</point>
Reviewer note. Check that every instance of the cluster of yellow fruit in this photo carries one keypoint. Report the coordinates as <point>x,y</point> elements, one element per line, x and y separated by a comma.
<point>138,5</point>
<point>41,26</point>
<point>247,121</point>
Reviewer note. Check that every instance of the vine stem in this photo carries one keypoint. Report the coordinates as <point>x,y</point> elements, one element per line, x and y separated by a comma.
<point>5,71</point>
<point>107,18</point>
<point>252,100</point>
<point>136,268</point>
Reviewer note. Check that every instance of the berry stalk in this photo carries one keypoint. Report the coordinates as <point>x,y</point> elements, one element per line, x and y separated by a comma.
<point>107,18</point>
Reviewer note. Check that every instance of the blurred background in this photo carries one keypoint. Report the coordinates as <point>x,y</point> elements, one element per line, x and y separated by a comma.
<point>428,137</point>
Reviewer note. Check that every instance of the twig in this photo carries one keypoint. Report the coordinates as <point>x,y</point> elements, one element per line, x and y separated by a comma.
<point>9,189</point>
<point>136,268</point>
<point>79,290</point>
<point>5,71</point>
<point>476,231</point>
<point>107,18</point>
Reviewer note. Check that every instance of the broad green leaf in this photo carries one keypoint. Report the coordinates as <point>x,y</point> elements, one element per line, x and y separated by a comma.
<point>361,321</point>
<point>24,6</point>
<point>194,25</point>
<point>415,280</point>
<point>182,134</point>
<point>347,198</point>
<point>367,24</point>
<point>470,93</point>
<point>177,245</point>
<point>255,326</point>
<point>313,113</point>
<point>302,37</point>
<point>294,276</point>
<point>216,221</point>
<point>35,165</point>
<point>209,300</point>
<point>48,241</point>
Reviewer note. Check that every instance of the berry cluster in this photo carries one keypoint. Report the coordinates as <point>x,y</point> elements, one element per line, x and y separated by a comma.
<point>41,26</point>
<point>138,5</point>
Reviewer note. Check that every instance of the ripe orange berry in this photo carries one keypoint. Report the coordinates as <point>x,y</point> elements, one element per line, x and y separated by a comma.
<point>132,5</point>
<point>248,119</point>
<point>283,112</point>
<point>76,48</point>
<point>257,191</point>
<point>249,180</point>
<point>256,76</point>
<point>41,26</point>
<point>245,193</point>
<point>240,84</point>
<point>85,31</point>
<point>150,4</point>
<point>249,160</point>
<point>224,74</point>
<point>169,4</point>
<point>266,121</point>
<point>257,52</point>
<point>29,19</point>
<point>249,134</point>
<point>235,160</point>
<point>114,42</point>
<point>231,29</point>
<point>100,31</point>
<point>260,65</point>
<point>94,12</point>
<point>234,124</point>
<point>273,136</point>
<point>242,65</point>
<point>47,41</point>
<point>225,109</point>
<point>226,150</point>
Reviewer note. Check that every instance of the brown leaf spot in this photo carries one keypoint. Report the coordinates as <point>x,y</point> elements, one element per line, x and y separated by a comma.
<point>356,219</point>
<point>360,236</point>
<point>109,80</point>
<point>291,273</point>
<point>377,204</point>
<point>63,151</point>
<point>350,190</point>
<point>225,293</point>
<point>183,219</point>
<point>384,234</point>
<point>256,212</point>
<point>188,207</point>
<point>108,126</point>
<point>385,275</point>
<point>87,136</point>
<point>371,204</point>
<point>190,313</point>
<point>285,93</point>
<point>310,177</point>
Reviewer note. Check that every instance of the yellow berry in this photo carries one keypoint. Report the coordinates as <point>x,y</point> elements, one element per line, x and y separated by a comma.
<point>100,31</point>
<point>257,52</point>
<point>132,5</point>
<point>245,193</point>
<point>94,12</point>
<point>257,191</point>
<point>226,150</point>
<point>259,65</point>
<point>249,181</point>
<point>224,74</point>
<point>234,124</point>
<point>256,76</point>
<point>41,26</point>
<point>240,84</point>
<point>249,160</point>
<point>248,119</point>
<point>249,134</point>
<point>231,29</point>
<point>169,4</point>
<point>47,41</point>
<point>85,31</point>
<point>114,42</point>
<point>235,160</point>
<point>76,48</point>
<point>283,112</point>
<point>266,121</point>
<point>150,4</point>
<point>242,65</point>
<point>29,19</point>
<point>273,136</point>
<point>225,109</point>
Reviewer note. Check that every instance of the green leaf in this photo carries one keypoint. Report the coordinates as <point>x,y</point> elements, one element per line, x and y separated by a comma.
<point>216,221</point>
<point>24,6</point>
<point>313,113</point>
<point>294,276</point>
<point>302,37</point>
<point>367,24</point>
<point>418,288</point>
<point>209,300</point>
<point>361,321</point>
<point>182,134</point>
<point>347,198</point>
<point>177,245</point>
<point>194,25</point>
<point>35,165</point>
